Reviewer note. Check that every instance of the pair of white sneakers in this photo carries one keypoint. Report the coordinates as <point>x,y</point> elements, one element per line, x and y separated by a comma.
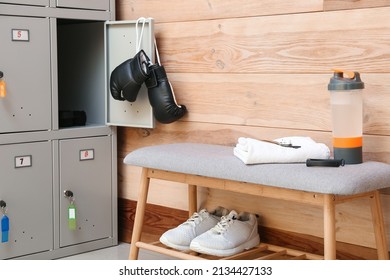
<point>218,233</point>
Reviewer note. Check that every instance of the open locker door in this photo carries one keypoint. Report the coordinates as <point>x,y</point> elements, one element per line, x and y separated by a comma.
<point>121,45</point>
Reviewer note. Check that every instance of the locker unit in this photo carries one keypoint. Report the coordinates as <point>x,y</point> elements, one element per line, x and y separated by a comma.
<point>27,2</point>
<point>90,5</point>
<point>25,44</point>
<point>26,188</point>
<point>85,166</point>
<point>54,65</point>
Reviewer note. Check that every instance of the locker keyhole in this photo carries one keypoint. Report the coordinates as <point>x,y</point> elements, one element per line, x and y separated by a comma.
<point>68,194</point>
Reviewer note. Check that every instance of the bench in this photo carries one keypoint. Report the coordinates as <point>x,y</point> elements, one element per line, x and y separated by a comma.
<point>215,166</point>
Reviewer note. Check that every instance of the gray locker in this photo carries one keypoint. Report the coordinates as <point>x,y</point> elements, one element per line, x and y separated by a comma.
<point>27,2</point>
<point>52,61</point>
<point>85,170</point>
<point>26,188</point>
<point>91,4</point>
<point>25,63</point>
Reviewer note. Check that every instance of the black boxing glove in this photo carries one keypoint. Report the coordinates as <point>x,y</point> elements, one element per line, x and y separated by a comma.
<point>161,96</point>
<point>127,78</point>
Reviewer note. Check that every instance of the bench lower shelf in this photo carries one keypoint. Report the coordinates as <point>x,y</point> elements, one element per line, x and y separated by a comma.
<point>263,251</point>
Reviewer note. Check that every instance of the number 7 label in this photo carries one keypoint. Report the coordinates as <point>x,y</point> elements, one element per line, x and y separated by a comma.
<point>23,161</point>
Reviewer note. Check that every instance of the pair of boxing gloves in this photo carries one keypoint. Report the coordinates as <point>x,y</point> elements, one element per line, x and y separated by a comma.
<point>128,77</point>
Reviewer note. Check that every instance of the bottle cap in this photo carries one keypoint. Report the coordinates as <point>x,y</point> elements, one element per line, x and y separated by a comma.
<point>339,82</point>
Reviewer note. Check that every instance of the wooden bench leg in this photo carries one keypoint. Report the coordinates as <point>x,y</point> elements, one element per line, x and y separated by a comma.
<point>329,228</point>
<point>139,214</point>
<point>192,199</point>
<point>379,226</point>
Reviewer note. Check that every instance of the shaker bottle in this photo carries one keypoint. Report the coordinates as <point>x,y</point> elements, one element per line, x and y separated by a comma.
<point>347,116</point>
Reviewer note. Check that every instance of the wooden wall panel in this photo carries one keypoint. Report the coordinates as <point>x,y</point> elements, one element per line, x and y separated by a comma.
<point>353,4</point>
<point>260,69</point>
<point>173,10</point>
<point>297,43</point>
<point>276,100</point>
<point>245,99</point>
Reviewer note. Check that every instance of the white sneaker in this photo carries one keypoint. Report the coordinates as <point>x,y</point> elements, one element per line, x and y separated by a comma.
<point>233,234</point>
<point>181,236</point>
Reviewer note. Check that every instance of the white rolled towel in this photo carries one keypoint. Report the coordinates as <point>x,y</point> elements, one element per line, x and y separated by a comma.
<point>253,151</point>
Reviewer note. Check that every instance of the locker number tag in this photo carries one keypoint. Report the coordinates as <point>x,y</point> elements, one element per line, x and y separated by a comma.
<point>20,35</point>
<point>87,154</point>
<point>23,161</point>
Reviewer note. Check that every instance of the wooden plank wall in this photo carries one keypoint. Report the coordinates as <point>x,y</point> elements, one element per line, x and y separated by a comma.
<point>260,69</point>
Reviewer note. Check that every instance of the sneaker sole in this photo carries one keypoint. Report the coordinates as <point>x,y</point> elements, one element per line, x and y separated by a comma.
<point>228,252</point>
<point>165,241</point>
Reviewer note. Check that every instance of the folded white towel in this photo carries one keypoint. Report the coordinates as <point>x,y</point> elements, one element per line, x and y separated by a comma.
<point>252,151</point>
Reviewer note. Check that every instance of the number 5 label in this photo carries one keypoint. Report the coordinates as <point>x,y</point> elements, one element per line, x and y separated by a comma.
<point>20,35</point>
<point>23,161</point>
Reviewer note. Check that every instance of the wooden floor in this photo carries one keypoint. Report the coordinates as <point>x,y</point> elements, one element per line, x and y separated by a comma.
<point>119,252</point>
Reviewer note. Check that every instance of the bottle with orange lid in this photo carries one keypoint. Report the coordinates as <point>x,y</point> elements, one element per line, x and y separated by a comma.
<point>346,90</point>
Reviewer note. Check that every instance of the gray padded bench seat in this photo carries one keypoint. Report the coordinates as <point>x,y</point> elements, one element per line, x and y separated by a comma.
<point>219,162</point>
<point>215,166</point>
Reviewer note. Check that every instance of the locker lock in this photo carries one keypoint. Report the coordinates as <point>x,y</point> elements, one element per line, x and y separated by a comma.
<point>68,194</point>
<point>3,91</point>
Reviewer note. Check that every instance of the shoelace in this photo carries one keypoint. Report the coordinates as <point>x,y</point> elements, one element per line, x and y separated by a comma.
<point>224,224</point>
<point>195,218</point>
